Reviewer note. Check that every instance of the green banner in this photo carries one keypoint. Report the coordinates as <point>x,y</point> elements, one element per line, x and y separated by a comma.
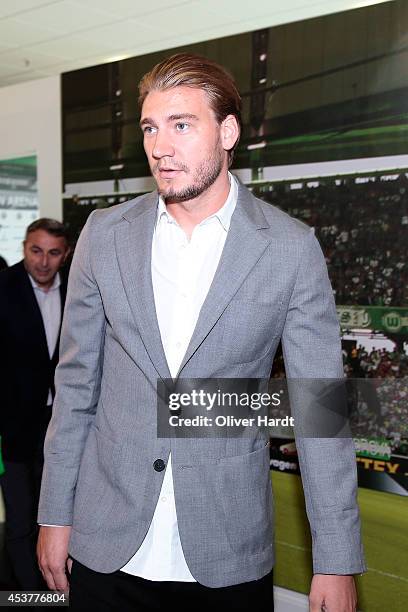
<point>18,204</point>
<point>378,318</point>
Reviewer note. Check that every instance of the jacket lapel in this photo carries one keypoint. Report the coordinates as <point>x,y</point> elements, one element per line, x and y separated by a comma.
<point>133,242</point>
<point>243,247</point>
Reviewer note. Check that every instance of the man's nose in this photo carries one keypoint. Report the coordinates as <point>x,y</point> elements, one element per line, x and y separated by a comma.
<point>163,146</point>
<point>44,260</point>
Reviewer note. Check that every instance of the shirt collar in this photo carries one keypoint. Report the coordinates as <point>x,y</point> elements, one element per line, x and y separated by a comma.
<point>223,215</point>
<point>55,285</point>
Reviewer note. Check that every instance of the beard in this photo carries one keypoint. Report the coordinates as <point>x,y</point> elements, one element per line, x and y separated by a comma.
<point>204,176</point>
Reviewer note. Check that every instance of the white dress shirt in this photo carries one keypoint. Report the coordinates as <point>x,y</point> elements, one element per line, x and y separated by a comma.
<point>49,303</point>
<point>182,272</point>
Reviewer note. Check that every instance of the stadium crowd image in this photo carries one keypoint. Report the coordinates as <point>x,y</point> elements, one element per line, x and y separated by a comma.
<point>153,243</point>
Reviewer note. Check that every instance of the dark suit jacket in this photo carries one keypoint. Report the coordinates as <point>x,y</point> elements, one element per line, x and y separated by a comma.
<point>26,370</point>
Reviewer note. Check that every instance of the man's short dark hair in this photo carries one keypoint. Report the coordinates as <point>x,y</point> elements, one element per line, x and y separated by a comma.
<point>52,226</point>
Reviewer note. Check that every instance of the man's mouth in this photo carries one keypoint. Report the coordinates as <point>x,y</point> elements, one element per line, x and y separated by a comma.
<point>168,172</point>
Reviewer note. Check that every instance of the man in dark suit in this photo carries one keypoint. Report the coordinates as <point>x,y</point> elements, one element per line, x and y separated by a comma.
<point>32,296</point>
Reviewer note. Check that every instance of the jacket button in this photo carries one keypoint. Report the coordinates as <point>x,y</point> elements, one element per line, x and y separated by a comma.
<point>159,465</point>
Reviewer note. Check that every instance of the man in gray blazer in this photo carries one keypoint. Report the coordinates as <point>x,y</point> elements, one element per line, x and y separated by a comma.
<point>196,280</point>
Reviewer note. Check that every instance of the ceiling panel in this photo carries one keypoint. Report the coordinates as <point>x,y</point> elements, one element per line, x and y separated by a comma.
<point>66,17</point>
<point>235,8</point>
<point>128,8</point>
<point>193,17</point>
<point>19,77</point>
<point>8,70</point>
<point>59,35</point>
<point>29,59</point>
<point>129,33</point>
<point>73,47</point>
<point>66,66</point>
<point>16,33</point>
<point>13,7</point>
<point>4,47</point>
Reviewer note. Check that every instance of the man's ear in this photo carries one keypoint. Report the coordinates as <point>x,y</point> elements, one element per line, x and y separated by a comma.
<point>67,252</point>
<point>230,132</point>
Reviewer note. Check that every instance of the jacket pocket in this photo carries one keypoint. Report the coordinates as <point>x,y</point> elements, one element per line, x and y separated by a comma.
<point>245,495</point>
<point>248,329</point>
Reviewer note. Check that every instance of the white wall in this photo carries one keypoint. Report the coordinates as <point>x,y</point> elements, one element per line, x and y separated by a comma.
<point>30,123</point>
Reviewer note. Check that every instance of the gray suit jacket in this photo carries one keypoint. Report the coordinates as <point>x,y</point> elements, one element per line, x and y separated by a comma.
<point>271,284</point>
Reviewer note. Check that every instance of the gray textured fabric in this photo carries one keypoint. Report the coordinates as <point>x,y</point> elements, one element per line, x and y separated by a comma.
<point>271,283</point>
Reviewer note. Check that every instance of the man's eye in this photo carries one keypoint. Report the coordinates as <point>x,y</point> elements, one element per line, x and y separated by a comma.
<point>181,127</point>
<point>148,129</point>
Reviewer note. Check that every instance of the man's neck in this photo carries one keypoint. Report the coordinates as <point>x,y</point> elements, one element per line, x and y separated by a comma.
<point>45,287</point>
<point>190,213</point>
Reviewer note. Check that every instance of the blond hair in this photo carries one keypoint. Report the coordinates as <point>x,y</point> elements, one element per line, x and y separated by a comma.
<point>195,71</point>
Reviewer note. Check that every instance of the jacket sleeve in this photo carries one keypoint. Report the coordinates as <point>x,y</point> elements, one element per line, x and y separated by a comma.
<point>77,380</point>
<point>312,350</point>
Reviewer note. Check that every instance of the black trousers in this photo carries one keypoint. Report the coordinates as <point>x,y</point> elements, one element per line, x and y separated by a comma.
<point>120,592</point>
<point>20,486</point>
